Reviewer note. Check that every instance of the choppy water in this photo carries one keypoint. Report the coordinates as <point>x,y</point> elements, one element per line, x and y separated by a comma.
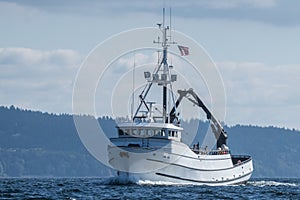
<point>96,188</point>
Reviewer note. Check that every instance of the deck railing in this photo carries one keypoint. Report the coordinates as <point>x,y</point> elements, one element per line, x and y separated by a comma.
<point>210,152</point>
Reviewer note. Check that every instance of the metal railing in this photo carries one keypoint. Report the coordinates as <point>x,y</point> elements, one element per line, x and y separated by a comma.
<point>210,152</point>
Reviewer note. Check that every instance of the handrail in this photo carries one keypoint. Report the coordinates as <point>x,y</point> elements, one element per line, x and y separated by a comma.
<point>210,152</point>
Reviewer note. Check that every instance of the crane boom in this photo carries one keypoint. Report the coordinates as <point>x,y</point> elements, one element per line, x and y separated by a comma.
<point>216,127</point>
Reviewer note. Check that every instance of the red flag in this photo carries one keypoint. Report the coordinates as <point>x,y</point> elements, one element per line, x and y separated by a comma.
<point>184,50</point>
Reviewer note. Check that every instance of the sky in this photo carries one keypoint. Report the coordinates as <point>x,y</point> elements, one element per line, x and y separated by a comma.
<point>254,43</point>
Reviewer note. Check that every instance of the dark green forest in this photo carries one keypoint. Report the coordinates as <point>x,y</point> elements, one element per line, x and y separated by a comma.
<point>37,144</point>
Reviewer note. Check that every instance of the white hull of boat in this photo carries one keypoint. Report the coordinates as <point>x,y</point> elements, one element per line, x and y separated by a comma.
<point>177,163</point>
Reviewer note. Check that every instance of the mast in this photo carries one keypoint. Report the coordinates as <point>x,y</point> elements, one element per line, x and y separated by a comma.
<point>165,68</point>
<point>164,63</point>
<point>162,75</point>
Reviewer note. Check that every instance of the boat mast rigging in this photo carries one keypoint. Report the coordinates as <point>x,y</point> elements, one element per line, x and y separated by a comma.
<point>165,78</point>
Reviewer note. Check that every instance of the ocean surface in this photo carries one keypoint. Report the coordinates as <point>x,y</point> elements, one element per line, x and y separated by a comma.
<point>96,188</point>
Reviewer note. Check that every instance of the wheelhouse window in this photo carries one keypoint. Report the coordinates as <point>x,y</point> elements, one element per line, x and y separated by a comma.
<point>157,132</point>
<point>172,133</point>
<point>134,131</point>
<point>163,132</point>
<point>150,132</point>
<point>143,132</point>
<point>127,132</point>
<point>121,132</point>
<point>124,132</point>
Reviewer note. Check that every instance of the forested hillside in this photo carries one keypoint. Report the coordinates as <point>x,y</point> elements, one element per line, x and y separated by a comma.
<point>41,144</point>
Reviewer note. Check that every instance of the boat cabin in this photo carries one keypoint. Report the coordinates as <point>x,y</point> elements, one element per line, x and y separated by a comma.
<point>150,130</point>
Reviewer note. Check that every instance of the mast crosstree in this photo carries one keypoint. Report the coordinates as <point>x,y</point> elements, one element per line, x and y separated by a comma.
<point>162,75</point>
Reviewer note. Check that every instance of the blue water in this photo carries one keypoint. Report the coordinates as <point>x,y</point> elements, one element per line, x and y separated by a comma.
<point>96,188</point>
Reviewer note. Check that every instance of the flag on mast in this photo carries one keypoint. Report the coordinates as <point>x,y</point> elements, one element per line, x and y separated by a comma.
<point>184,50</point>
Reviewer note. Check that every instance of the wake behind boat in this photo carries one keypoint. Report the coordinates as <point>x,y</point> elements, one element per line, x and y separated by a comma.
<point>150,147</point>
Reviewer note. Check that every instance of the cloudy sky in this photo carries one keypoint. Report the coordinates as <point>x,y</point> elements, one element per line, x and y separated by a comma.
<point>255,44</point>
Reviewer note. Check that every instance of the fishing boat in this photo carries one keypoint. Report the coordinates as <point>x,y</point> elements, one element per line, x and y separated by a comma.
<point>150,147</point>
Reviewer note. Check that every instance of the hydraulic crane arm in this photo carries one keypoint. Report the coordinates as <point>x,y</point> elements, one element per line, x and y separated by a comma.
<point>216,127</point>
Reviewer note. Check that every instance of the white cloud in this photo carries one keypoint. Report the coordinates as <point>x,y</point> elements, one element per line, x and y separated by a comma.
<point>261,94</point>
<point>27,56</point>
<point>263,3</point>
<point>126,63</point>
<point>230,4</point>
<point>37,79</point>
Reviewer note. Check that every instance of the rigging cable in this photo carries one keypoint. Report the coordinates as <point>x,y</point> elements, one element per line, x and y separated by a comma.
<point>133,85</point>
